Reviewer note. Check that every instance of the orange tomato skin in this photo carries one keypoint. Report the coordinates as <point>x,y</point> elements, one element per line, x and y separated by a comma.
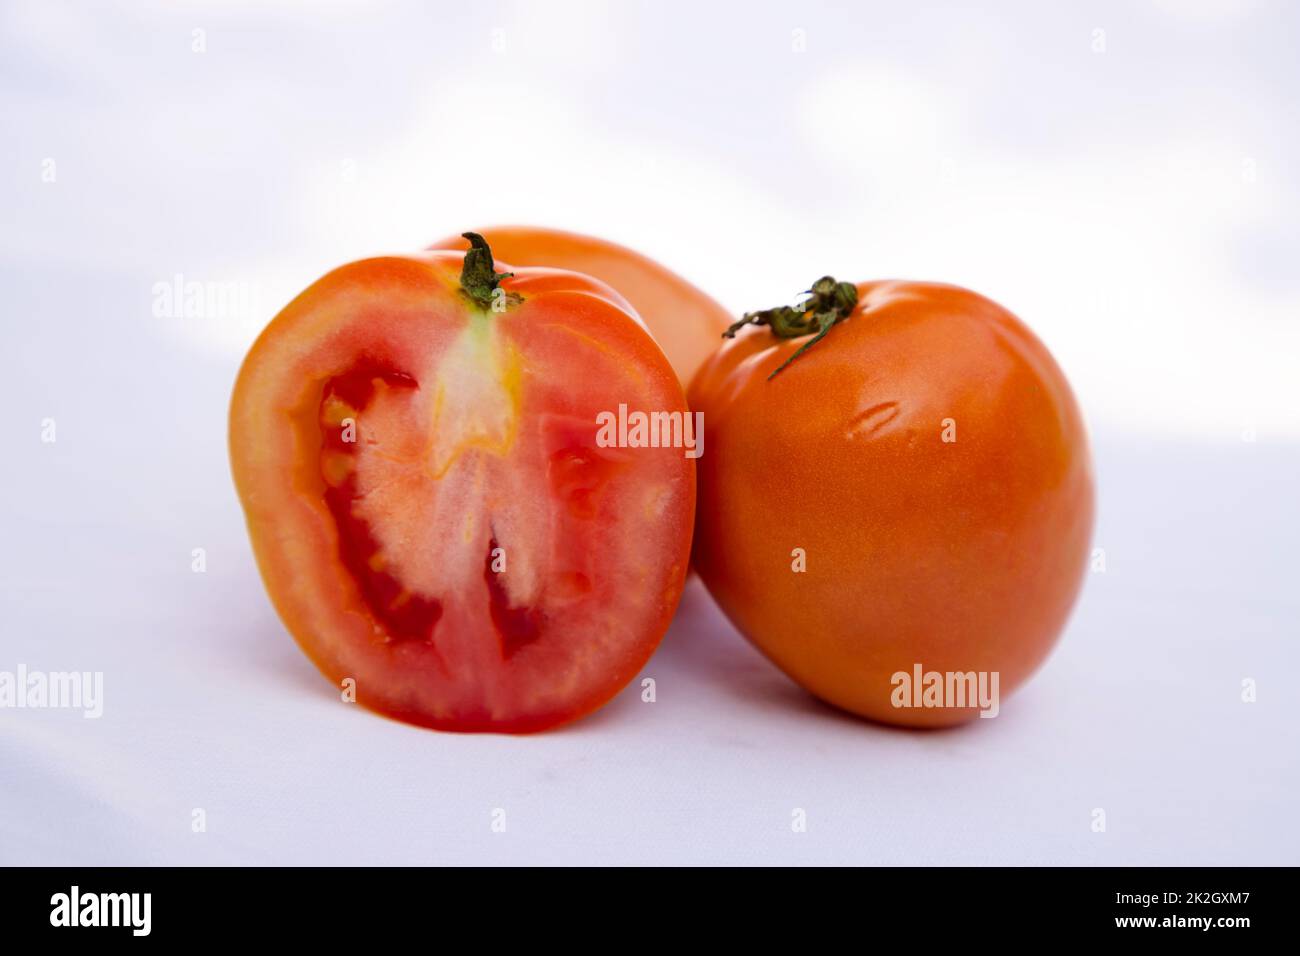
<point>683,320</point>
<point>962,555</point>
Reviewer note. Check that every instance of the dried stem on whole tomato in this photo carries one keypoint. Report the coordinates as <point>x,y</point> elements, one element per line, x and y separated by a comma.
<point>828,303</point>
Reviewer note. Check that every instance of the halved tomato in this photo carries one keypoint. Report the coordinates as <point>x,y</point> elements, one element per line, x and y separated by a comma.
<point>685,321</point>
<point>415,441</point>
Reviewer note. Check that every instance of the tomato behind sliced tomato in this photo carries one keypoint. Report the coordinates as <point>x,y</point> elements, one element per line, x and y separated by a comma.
<point>685,321</point>
<point>430,507</point>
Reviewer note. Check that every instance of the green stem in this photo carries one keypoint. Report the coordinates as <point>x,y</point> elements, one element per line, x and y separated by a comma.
<point>478,276</point>
<point>829,302</point>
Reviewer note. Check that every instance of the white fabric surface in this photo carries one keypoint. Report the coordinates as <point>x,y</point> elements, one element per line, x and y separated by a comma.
<point>208,703</point>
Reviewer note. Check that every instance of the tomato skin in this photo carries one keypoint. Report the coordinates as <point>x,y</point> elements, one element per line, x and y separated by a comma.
<point>960,556</point>
<point>473,431</point>
<point>685,321</point>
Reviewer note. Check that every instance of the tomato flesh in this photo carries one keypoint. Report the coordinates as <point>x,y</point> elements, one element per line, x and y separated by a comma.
<point>516,626</point>
<point>431,511</point>
<point>403,615</point>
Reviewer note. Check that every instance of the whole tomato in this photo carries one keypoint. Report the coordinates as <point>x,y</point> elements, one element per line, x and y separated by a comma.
<point>896,484</point>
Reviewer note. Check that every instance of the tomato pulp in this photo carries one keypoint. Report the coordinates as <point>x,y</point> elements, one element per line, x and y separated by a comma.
<point>414,442</point>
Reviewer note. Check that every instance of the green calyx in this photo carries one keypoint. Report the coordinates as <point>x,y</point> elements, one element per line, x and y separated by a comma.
<point>479,280</point>
<point>828,303</point>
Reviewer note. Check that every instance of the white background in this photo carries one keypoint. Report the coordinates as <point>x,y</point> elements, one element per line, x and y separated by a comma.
<point>1123,176</point>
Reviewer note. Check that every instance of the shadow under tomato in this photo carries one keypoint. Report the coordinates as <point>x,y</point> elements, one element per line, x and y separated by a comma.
<point>265,646</point>
<point>703,648</point>
<point>619,712</point>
